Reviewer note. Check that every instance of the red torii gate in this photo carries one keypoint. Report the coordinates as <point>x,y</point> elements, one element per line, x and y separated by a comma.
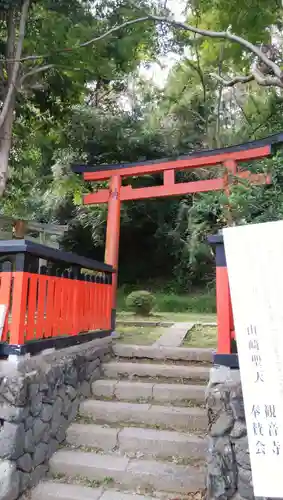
<point>116,192</point>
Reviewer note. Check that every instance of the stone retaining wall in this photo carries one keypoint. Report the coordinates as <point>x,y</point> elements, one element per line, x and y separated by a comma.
<point>39,398</point>
<point>229,471</point>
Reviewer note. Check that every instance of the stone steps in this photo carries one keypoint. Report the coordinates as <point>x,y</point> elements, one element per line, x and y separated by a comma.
<point>116,369</point>
<point>163,353</point>
<point>130,473</point>
<point>141,434</point>
<point>134,440</point>
<point>124,390</point>
<point>59,491</point>
<point>170,417</point>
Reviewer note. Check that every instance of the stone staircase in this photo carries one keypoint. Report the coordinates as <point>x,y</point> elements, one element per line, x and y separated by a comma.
<point>142,436</point>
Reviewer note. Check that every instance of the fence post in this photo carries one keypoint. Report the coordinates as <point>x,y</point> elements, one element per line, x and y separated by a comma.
<point>19,301</point>
<point>5,298</point>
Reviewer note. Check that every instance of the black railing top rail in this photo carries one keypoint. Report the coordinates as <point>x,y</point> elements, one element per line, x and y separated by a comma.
<point>9,247</point>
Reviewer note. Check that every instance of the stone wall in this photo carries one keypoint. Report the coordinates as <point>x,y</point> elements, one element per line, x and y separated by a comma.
<point>229,471</point>
<point>39,398</point>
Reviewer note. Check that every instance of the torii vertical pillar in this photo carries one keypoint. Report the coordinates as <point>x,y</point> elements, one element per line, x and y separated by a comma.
<point>113,236</point>
<point>226,345</point>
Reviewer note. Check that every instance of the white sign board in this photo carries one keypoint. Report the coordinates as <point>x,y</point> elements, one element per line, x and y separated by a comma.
<point>254,255</point>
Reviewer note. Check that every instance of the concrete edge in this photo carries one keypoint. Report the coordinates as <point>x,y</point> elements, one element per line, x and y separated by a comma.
<point>161,323</point>
<point>163,353</point>
<point>144,323</point>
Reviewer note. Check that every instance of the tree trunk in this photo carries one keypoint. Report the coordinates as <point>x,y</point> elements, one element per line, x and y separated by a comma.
<point>14,52</point>
<point>5,147</point>
<point>6,127</point>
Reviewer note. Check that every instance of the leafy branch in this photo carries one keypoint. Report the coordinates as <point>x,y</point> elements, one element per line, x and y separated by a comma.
<point>34,71</point>
<point>83,44</point>
<point>261,78</point>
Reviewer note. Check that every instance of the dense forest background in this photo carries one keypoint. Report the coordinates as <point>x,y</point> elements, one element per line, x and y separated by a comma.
<point>90,102</point>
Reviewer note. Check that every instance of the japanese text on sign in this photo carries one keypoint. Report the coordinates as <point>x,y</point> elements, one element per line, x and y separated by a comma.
<point>254,256</point>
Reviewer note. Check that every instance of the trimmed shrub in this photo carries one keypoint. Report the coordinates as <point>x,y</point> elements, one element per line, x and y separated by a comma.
<point>140,302</point>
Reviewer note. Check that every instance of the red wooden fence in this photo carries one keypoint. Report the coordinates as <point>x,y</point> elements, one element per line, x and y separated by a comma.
<point>50,304</point>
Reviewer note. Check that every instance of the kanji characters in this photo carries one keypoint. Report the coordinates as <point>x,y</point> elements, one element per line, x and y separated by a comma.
<point>270,411</point>
<point>252,330</point>
<point>259,376</point>
<point>253,344</point>
<point>255,410</point>
<point>258,429</point>
<point>260,448</point>
<point>276,448</point>
<point>256,359</point>
<point>272,429</point>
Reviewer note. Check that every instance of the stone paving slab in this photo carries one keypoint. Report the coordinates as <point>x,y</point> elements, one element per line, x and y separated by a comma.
<point>174,393</point>
<point>115,369</point>
<point>104,388</point>
<point>119,495</point>
<point>57,491</point>
<point>171,417</point>
<point>174,336</point>
<point>147,442</point>
<point>132,391</point>
<point>164,353</point>
<point>89,465</point>
<point>125,390</point>
<point>130,473</point>
<point>95,436</point>
<point>61,491</point>
<point>162,444</point>
<point>165,476</point>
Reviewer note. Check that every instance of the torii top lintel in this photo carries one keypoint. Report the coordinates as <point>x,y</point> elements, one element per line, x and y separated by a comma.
<point>226,156</point>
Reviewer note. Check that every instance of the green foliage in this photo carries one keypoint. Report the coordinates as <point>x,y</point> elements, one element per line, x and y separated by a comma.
<point>92,106</point>
<point>194,302</point>
<point>140,302</point>
<point>250,19</point>
<point>41,153</point>
<point>9,4</point>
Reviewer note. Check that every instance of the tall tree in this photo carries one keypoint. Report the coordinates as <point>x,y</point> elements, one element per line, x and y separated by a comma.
<point>47,56</point>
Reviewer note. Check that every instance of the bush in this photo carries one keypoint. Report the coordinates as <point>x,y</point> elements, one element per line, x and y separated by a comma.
<point>198,303</point>
<point>140,302</point>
